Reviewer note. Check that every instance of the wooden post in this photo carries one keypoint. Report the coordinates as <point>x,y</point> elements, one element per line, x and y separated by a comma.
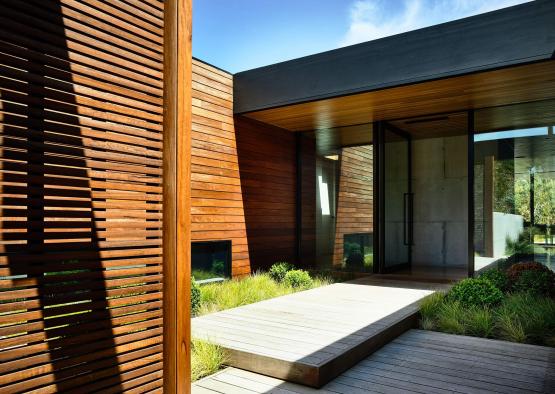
<point>177,174</point>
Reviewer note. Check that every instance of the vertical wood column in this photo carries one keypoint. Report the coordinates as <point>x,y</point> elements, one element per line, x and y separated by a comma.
<point>177,197</point>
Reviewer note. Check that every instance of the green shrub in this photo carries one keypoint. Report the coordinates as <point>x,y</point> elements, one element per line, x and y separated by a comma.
<point>278,270</point>
<point>368,262</point>
<point>533,277</point>
<point>218,267</point>
<point>475,292</point>
<point>498,278</point>
<point>355,260</point>
<point>298,279</point>
<point>195,296</point>
<point>520,317</point>
<point>537,282</point>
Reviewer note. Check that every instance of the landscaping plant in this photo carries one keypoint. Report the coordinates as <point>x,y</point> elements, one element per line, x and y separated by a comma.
<point>475,292</point>
<point>206,358</point>
<point>536,277</point>
<point>523,312</point>
<point>298,279</point>
<point>536,282</point>
<point>278,270</point>
<point>238,292</point>
<point>195,297</point>
<point>498,278</point>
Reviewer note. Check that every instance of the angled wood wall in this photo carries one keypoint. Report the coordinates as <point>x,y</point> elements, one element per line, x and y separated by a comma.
<point>81,195</point>
<point>217,200</point>
<point>267,165</point>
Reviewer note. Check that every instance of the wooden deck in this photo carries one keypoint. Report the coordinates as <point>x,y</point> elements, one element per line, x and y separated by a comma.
<point>418,362</point>
<point>312,336</point>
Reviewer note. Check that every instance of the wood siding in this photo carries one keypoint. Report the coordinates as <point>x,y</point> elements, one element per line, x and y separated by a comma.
<point>81,195</point>
<point>308,203</point>
<point>267,165</point>
<point>217,201</point>
<point>532,82</point>
<point>243,177</point>
<point>355,197</point>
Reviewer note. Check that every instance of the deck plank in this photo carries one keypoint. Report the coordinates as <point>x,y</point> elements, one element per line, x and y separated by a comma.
<point>400,369</point>
<point>312,336</point>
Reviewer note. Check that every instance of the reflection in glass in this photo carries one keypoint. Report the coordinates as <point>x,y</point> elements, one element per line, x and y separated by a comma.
<point>514,185</point>
<point>341,202</point>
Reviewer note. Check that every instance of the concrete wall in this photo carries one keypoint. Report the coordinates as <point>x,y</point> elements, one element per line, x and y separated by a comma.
<point>440,184</point>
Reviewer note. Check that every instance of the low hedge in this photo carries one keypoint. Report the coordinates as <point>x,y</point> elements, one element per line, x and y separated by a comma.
<point>298,279</point>
<point>475,292</point>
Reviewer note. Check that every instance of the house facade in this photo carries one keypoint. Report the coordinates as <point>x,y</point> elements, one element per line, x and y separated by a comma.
<point>429,152</point>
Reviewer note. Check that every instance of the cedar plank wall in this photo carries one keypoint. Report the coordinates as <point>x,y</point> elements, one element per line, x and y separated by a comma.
<point>308,201</point>
<point>217,201</point>
<point>355,199</point>
<point>80,194</point>
<point>267,164</point>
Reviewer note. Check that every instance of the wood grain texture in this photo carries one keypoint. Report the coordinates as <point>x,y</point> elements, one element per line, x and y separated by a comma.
<point>81,202</point>
<point>177,195</point>
<point>355,197</point>
<point>267,166</point>
<point>487,89</point>
<point>312,336</point>
<point>418,362</point>
<point>217,200</point>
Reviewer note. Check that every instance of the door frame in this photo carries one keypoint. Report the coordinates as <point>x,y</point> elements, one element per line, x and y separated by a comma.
<point>379,197</point>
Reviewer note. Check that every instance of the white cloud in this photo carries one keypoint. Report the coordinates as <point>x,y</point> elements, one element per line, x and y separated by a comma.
<point>372,19</point>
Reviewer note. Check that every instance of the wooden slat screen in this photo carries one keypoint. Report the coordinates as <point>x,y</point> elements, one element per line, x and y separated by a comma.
<point>81,195</point>
<point>217,200</point>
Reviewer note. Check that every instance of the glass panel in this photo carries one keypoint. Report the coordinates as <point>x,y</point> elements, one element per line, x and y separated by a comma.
<point>337,197</point>
<point>439,192</point>
<point>396,195</point>
<point>514,185</point>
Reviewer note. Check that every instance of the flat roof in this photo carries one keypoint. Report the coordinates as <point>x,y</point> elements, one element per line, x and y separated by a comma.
<point>508,37</point>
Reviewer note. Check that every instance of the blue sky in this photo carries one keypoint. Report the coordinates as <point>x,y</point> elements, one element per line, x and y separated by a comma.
<point>238,35</point>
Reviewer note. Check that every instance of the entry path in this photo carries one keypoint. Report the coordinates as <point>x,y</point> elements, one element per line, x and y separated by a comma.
<point>418,362</point>
<point>313,336</point>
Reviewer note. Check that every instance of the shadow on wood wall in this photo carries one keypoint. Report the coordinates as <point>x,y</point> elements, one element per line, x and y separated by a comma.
<point>80,184</point>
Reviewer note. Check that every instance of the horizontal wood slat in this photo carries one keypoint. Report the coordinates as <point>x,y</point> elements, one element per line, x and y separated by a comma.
<point>267,164</point>
<point>81,195</point>
<point>355,197</point>
<point>216,197</point>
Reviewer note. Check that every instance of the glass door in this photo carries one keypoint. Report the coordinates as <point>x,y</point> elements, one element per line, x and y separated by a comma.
<point>396,199</point>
